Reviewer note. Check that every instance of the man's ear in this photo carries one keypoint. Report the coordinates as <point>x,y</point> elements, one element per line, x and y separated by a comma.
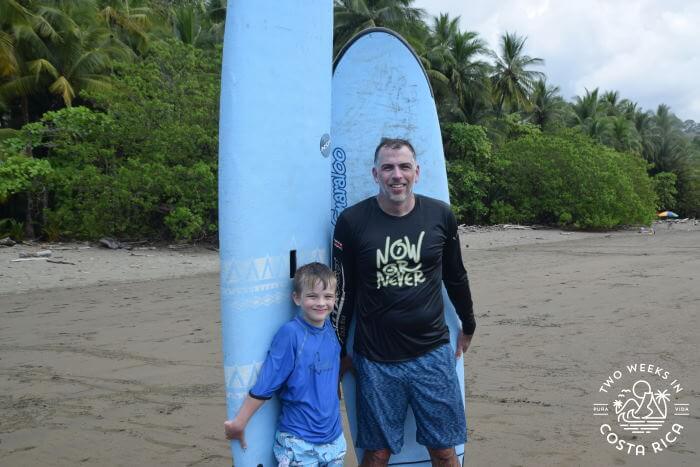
<point>375,174</point>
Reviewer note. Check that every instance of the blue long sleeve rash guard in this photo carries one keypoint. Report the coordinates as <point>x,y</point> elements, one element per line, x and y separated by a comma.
<point>302,367</point>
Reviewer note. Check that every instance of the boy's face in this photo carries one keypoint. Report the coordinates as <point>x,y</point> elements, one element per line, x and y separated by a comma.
<point>316,303</point>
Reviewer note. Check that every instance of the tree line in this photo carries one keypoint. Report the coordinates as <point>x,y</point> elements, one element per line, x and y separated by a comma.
<point>109,120</point>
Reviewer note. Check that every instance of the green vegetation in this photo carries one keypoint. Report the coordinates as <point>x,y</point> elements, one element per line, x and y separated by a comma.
<point>126,166</point>
<point>109,109</point>
<point>569,180</point>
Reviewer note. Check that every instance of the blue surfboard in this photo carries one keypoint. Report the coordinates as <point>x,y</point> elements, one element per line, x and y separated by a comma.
<point>380,89</point>
<point>274,195</point>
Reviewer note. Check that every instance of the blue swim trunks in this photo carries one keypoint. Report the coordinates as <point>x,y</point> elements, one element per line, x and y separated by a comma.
<point>293,451</point>
<point>428,384</point>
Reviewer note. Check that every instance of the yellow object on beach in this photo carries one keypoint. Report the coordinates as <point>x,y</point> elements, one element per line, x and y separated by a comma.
<point>667,214</point>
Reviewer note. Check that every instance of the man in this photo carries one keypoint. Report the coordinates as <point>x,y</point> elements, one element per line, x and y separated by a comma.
<point>391,253</point>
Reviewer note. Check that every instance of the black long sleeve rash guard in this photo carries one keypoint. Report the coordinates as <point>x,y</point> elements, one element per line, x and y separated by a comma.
<point>390,270</point>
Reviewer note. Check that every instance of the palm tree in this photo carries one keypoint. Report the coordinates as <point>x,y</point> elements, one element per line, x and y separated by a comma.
<point>469,75</point>
<point>597,128</point>
<point>444,29</point>
<point>435,43</point>
<point>461,81</point>
<point>512,79</point>
<point>130,19</point>
<point>352,16</point>
<point>433,61</point>
<point>622,135</point>
<point>610,103</point>
<point>17,34</point>
<point>586,107</point>
<point>644,124</point>
<point>82,56</point>
<point>187,21</point>
<point>662,396</point>
<point>668,155</point>
<point>60,48</point>
<point>8,60</point>
<point>547,104</point>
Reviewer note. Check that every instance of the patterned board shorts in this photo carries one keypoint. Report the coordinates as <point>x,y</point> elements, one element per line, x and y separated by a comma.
<point>428,384</point>
<point>293,451</point>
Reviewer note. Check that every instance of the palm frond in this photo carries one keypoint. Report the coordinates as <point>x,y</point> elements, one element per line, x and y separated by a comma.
<point>63,88</point>
<point>39,66</point>
<point>18,87</point>
<point>8,60</point>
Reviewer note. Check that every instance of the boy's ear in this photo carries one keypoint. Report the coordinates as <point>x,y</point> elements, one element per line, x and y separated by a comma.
<point>296,298</point>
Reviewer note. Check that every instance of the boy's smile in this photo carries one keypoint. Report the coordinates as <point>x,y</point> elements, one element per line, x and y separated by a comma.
<point>316,303</point>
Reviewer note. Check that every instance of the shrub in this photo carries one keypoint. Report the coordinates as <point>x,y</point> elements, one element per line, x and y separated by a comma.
<point>569,180</point>
<point>470,166</point>
<point>141,164</point>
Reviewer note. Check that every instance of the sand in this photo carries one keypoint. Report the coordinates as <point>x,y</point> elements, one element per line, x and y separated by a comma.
<point>114,360</point>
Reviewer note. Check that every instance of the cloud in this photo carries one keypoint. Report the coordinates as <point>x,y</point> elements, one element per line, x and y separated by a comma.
<point>645,49</point>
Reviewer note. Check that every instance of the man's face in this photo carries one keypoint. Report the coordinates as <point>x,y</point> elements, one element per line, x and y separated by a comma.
<point>395,172</point>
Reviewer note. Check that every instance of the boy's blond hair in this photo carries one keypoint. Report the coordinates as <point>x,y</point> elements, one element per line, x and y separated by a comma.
<point>308,275</point>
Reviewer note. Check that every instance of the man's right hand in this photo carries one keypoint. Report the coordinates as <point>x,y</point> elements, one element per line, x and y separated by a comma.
<point>463,341</point>
<point>235,430</point>
<point>345,365</point>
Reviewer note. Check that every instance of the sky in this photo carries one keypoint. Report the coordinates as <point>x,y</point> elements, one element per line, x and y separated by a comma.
<point>648,50</point>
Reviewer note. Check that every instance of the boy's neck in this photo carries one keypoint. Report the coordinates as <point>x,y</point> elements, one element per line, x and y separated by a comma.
<point>312,323</point>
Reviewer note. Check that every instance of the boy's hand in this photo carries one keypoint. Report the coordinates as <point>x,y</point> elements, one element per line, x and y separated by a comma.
<point>235,430</point>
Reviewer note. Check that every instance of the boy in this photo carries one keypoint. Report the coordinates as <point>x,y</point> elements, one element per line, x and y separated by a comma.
<point>303,363</point>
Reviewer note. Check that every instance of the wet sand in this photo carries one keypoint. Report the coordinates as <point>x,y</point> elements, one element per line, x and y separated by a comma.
<point>115,360</point>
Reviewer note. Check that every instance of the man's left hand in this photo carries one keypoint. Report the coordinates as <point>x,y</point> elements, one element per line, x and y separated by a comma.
<point>463,342</point>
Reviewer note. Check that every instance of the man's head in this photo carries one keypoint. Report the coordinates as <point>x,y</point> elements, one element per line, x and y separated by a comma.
<point>314,292</point>
<point>393,143</point>
<point>395,171</point>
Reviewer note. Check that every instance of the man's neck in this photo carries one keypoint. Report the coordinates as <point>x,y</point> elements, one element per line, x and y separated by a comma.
<point>396,209</point>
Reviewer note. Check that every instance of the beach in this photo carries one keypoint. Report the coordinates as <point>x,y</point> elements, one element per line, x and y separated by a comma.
<point>113,357</point>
